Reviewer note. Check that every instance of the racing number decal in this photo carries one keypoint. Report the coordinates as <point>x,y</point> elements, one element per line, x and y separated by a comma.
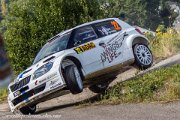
<point>116,25</point>
<point>85,47</point>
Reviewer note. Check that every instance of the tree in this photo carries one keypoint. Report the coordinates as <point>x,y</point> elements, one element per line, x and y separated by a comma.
<point>133,10</point>
<point>144,13</point>
<point>30,23</point>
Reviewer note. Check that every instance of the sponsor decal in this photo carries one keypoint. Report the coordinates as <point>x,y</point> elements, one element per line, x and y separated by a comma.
<point>85,47</point>
<point>53,82</point>
<point>111,48</point>
<point>116,25</point>
<point>52,76</point>
<point>49,77</point>
<point>17,93</point>
<point>55,86</point>
<point>36,82</point>
<point>41,81</point>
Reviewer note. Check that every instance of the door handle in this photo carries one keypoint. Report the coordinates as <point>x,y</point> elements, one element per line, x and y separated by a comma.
<point>125,34</point>
<point>101,43</point>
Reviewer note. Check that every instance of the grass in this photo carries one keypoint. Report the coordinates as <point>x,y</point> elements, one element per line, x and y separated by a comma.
<point>159,85</point>
<point>3,94</point>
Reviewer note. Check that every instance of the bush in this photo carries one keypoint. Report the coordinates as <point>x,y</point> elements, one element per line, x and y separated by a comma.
<point>3,94</point>
<point>165,44</point>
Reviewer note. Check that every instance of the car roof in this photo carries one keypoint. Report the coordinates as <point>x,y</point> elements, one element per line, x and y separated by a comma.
<point>85,24</point>
<point>93,22</point>
<point>82,25</point>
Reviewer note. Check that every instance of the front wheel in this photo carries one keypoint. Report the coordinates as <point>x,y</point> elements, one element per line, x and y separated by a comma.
<point>28,110</point>
<point>143,56</point>
<point>73,79</point>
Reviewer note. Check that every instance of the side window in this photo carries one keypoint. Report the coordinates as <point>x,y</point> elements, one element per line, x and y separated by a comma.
<point>107,28</point>
<point>83,35</point>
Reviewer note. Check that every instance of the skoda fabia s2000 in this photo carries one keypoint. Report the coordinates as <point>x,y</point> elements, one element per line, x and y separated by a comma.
<point>77,58</point>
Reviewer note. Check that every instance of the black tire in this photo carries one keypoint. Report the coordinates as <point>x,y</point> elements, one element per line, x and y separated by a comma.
<point>99,88</point>
<point>28,110</point>
<point>143,56</point>
<point>73,79</point>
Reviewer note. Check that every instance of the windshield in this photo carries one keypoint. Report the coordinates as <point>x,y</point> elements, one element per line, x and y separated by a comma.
<point>53,46</point>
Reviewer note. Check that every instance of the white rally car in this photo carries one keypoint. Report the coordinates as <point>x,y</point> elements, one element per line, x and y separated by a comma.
<point>83,56</point>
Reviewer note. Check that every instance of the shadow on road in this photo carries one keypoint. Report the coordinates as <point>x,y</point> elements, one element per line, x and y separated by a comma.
<point>92,99</point>
<point>89,100</point>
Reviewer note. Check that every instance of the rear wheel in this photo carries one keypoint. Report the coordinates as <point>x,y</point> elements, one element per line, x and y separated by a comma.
<point>28,110</point>
<point>73,79</point>
<point>143,56</point>
<point>99,88</point>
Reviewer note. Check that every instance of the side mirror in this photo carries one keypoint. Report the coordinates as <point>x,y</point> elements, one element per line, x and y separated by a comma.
<point>101,43</point>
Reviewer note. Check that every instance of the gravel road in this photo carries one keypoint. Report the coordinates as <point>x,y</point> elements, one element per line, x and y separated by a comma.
<point>152,111</point>
<point>66,107</point>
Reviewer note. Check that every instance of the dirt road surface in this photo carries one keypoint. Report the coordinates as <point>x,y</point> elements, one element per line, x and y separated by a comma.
<point>67,106</point>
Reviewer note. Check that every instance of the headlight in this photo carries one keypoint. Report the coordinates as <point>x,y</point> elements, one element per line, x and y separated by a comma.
<point>42,70</point>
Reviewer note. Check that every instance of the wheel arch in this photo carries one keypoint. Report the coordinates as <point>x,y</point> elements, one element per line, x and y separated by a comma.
<point>135,39</point>
<point>140,40</point>
<point>75,61</point>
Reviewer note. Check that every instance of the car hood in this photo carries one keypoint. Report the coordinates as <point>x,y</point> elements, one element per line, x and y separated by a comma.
<point>29,71</point>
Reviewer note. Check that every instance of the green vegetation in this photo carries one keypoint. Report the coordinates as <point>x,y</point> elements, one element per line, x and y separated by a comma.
<point>159,85</point>
<point>30,23</point>
<point>3,94</point>
<point>165,44</point>
<point>150,13</point>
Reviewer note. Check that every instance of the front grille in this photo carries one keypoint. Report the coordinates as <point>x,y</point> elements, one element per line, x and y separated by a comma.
<point>29,94</point>
<point>20,84</point>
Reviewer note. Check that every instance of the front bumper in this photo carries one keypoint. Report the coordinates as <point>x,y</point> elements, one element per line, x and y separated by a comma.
<point>35,90</point>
